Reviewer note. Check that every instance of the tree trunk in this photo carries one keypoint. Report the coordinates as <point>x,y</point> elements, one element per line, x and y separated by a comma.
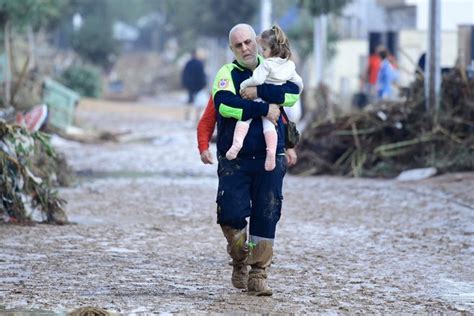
<point>31,48</point>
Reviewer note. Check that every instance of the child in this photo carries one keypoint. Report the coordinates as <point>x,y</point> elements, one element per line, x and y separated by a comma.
<point>276,69</point>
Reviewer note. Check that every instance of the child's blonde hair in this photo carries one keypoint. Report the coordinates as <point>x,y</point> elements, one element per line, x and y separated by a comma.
<point>277,41</point>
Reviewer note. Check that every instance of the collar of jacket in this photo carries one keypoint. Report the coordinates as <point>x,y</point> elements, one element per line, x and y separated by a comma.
<point>242,68</point>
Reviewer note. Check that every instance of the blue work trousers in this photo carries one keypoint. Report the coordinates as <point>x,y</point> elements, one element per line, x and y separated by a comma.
<point>247,190</point>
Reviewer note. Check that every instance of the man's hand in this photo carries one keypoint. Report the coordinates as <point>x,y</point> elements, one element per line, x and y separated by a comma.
<point>291,157</point>
<point>249,93</point>
<point>273,113</point>
<point>206,157</point>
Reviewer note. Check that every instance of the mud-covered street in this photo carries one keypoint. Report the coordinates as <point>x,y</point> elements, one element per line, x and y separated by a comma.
<point>145,237</point>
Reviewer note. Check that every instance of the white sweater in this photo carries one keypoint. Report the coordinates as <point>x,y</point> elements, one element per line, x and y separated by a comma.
<point>274,70</point>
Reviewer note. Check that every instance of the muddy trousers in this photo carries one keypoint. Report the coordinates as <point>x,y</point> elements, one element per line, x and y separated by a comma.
<point>247,190</point>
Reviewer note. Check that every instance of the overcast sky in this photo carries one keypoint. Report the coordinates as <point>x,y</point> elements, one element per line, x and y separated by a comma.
<point>453,12</point>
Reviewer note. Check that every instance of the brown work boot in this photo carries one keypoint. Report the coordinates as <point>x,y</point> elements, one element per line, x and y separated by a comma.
<point>237,249</point>
<point>239,275</point>
<point>257,283</point>
<point>260,258</point>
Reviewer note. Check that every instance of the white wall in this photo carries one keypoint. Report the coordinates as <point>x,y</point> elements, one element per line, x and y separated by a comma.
<point>344,72</point>
<point>413,43</point>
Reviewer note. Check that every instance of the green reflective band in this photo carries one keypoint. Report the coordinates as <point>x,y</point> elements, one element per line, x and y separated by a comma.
<point>223,80</point>
<point>228,111</point>
<point>290,99</point>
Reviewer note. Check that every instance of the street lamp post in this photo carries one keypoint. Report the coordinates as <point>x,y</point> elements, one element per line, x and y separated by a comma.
<point>265,14</point>
<point>433,71</point>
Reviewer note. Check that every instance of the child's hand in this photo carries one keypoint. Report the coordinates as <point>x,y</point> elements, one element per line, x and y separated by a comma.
<point>273,113</point>
<point>249,93</point>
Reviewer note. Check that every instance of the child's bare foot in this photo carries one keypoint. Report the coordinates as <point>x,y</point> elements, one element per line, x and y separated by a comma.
<point>270,161</point>
<point>232,153</point>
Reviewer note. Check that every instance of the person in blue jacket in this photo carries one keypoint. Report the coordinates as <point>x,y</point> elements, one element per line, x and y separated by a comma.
<point>386,77</point>
<point>245,189</point>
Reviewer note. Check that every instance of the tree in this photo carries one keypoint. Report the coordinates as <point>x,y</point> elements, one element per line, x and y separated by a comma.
<point>20,15</point>
<point>220,16</point>
<point>28,12</point>
<point>189,19</point>
<point>321,7</point>
<point>94,39</point>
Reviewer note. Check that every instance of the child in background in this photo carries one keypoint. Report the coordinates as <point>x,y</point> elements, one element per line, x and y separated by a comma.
<point>276,69</point>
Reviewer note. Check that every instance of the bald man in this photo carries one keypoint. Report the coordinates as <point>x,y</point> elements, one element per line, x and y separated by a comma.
<point>245,189</point>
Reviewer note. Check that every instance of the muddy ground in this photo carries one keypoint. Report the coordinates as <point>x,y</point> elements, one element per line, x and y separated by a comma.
<point>145,238</point>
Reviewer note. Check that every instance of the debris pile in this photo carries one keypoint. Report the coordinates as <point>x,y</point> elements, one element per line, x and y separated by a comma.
<point>394,137</point>
<point>27,175</point>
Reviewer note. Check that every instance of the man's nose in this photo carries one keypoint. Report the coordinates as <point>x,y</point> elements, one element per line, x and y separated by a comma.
<point>245,47</point>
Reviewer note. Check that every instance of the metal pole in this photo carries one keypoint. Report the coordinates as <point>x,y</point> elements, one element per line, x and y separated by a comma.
<point>7,72</point>
<point>319,49</point>
<point>324,44</point>
<point>265,14</point>
<point>433,71</point>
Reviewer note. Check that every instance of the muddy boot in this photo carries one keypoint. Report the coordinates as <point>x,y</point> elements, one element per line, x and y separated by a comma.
<point>237,249</point>
<point>260,258</point>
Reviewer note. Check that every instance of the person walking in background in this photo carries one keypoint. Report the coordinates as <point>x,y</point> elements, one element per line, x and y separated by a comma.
<point>245,188</point>
<point>275,69</point>
<point>386,77</point>
<point>193,79</point>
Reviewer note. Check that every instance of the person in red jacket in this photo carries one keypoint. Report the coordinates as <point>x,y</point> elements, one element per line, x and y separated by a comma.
<point>373,70</point>
<point>205,129</point>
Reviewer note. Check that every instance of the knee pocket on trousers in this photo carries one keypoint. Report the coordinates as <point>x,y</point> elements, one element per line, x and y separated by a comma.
<point>230,209</point>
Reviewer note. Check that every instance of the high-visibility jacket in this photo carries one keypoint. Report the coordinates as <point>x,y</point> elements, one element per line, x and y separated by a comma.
<point>230,107</point>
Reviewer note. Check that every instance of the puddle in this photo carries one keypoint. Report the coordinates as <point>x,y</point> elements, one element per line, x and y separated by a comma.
<point>28,312</point>
<point>457,292</point>
<point>41,312</point>
<point>85,220</point>
<point>121,250</point>
<point>114,174</point>
<point>143,139</point>
<point>133,174</point>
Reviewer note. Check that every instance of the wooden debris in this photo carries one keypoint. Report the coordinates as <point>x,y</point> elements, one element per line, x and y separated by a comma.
<point>396,136</point>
